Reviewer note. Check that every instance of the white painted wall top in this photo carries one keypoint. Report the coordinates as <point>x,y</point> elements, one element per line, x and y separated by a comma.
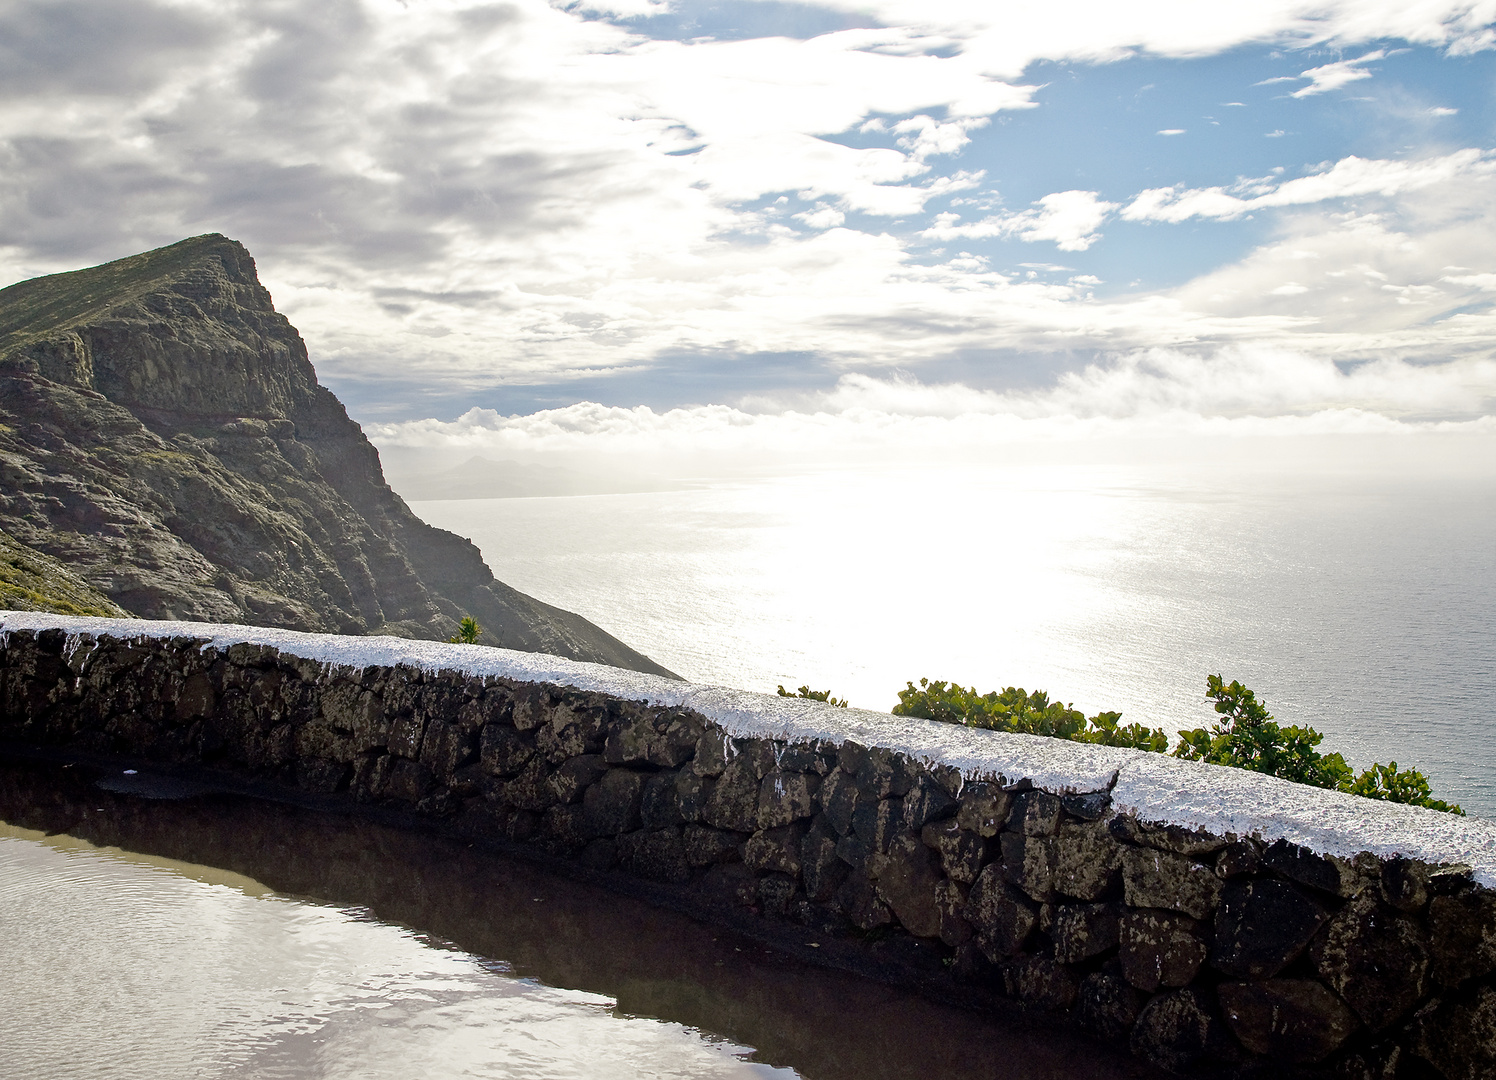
<point>1154,787</point>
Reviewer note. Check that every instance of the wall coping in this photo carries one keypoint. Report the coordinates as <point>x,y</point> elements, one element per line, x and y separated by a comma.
<point>1154,787</point>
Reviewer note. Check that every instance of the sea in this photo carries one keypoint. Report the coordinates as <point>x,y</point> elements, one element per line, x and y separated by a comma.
<point>1359,602</point>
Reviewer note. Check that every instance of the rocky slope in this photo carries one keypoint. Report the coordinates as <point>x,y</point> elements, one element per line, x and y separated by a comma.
<point>164,437</point>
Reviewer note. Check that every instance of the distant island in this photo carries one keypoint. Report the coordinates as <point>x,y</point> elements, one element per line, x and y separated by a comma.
<point>167,452</point>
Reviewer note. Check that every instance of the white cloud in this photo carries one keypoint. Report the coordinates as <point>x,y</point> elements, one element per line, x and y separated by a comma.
<point>1155,401</point>
<point>1442,110</point>
<point>1329,77</point>
<point>1068,218</point>
<point>463,193</point>
<point>1348,177</point>
<point>822,217</point>
<point>1172,131</point>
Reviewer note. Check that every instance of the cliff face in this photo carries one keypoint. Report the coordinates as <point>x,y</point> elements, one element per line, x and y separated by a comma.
<point>163,435</point>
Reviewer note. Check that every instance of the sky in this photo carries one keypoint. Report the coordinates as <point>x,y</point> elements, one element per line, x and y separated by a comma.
<point>760,226</point>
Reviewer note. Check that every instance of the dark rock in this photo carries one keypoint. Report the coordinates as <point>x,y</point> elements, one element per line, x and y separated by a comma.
<point>1379,1062</point>
<point>567,734</point>
<point>950,901</point>
<point>563,830</point>
<point>853,850</point>
<point>837,799</point>
<point>1087,806</point>
<point>906,879</point>
<point>851,757</point>
<point>692,793</point>
<point>784,797</point>
<point>761,755</point>
<point>1087,860</point>
<point>1040,981</point>
<point>1462,932</point>
<point>1374,958</point>
<point>1160,948</point>
<point>1028,862</point>
<point>664,739</point>
<point>984,809</point>
<point>654,854</point>
<point>884,773</point>
<point>776,849</point>
<point>1181,1033</point>
<point>575,775</point>
<point>1238,859</point>
<point>1261,926</point>
<point>775,893</point>
<point>821,870</point>
<point>927,801</point>
<point>1459,1037</point>
<point>504,750</point>
<point>1108,1005</point>
<point>531,789</point>
<point>1449,879</point>
<point>1081,931</point>
<point>859,899</point>
<point>611,806</point>
<point>1002,916</point>
<point>324,777</point>
<point>949,777</point>
<point>815,757</point>
<point>1035,813</point>
<point>446,748</point>
<point>1162,879</point>
<point>406,733</point>
<point>878,823</point>
<point>1295,1020</point>
<point>711,753</point>
<point>733,883</point>
<point>1178,839</point>
<point>961,851</point>
<point>705,846</point>
<point>1328,873</point>
<point>1404,884</point>
<point>659,808</point>
<point>599,854</point>
<point>733,802</point>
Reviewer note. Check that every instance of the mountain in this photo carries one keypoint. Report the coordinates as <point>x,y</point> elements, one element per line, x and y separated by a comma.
<point>164,438</point>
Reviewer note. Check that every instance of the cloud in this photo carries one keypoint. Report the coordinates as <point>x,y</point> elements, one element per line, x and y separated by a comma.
<point>1346,178</point>
<point>475,194</point>
<point>1149,401</point>
<point>1172,131</point>
<point>1068,218</point>
<point>1329,77</point>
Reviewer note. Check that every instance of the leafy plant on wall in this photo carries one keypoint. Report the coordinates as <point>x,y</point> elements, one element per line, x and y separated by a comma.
<point>1247,738</point>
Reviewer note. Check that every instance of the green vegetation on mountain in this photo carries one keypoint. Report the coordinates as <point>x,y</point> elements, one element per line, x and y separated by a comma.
<point>1249,737</point>
<point>31,581</point>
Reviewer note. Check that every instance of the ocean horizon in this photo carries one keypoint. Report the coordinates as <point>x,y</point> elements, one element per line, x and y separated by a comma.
<point>1360,604</point>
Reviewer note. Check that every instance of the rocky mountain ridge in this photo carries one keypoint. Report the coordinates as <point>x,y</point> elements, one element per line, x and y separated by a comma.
<point>164,437</point>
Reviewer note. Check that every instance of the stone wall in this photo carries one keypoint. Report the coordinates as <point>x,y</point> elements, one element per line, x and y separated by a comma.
<point>1208,955</point>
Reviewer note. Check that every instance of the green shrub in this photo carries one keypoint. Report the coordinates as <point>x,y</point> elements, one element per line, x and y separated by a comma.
<point>814,695</point>
<point>1248,738</point>
<point>467,632</point>
<point>1251,739</point>
<point>1016,710</point>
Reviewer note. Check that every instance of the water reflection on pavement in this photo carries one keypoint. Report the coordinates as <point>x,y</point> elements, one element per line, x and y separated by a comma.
<point>213,936</point>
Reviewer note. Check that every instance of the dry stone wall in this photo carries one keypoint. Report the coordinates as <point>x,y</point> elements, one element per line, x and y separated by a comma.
<point>1208,955</point>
